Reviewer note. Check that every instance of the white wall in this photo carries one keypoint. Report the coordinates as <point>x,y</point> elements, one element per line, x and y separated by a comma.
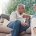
<point>1,7</point>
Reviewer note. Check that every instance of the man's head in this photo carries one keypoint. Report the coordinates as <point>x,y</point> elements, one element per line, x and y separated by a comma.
<point>20,8</point>
<point>34,7</point>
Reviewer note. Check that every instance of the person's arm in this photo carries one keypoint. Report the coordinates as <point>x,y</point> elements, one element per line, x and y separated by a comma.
<point>26,16</point>
<point>12,16</point>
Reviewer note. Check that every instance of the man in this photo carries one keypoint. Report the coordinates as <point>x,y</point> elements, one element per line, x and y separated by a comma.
<point>17,19</point>
<point>33,22</point>
<point>34,10</point>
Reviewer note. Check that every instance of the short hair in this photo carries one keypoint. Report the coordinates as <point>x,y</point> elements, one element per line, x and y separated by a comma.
<point>20,5</point>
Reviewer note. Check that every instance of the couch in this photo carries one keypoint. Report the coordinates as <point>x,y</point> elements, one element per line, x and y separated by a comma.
<point>5,31</point>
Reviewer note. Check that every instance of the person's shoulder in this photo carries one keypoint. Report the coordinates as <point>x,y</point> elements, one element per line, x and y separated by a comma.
<point>34,16</point>
<point>13,12</point>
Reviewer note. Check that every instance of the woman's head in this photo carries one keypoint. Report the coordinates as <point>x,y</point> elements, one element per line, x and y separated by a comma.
<point>34,7</point>
<point>20,8</point>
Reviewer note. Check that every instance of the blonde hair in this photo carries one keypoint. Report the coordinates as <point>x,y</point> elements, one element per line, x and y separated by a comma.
<point>20,5</point>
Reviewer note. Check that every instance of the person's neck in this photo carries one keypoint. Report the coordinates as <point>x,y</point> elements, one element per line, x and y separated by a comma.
<point>19,13</point>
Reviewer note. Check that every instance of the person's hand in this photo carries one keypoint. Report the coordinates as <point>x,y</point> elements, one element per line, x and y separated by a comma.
<point>26,16</point>
<point>23,24</point>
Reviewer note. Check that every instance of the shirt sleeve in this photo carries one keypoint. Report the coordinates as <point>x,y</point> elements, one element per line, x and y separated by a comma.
<point>34,16</point>
<point>12,16</point>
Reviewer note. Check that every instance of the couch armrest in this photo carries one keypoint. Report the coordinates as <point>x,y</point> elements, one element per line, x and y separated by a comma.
<point>5,16</point>
<point>5,30</point>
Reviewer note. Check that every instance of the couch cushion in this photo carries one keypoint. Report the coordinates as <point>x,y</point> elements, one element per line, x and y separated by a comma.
<point>8,35</point>
<point>5,23</point>
<point>5,16</point>
<point>28,31</point>
<point>1,24</point>
<point>27,35</point>
<point>22,33</point>
<point>1,20</point>
<point>2,34</point>
<point>5,29</point>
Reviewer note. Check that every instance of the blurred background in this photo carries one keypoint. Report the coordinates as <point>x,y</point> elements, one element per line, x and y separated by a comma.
<point>9,6</point>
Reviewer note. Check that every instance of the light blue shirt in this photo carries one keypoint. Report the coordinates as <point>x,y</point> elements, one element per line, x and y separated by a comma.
<point>34,16</point>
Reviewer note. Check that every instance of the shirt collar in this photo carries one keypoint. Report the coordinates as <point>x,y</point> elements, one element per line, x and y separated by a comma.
<point>18,12</point>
